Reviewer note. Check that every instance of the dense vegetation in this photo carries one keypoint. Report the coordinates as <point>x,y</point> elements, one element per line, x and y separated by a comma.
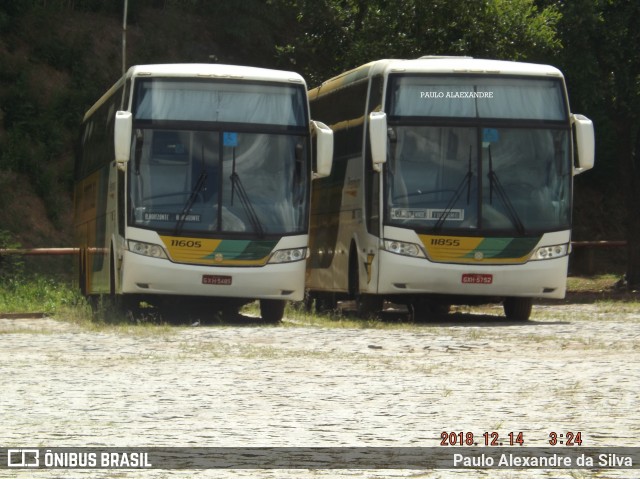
<point>58,56</point>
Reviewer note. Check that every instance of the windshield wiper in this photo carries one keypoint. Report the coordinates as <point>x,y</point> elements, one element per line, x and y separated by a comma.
<point>466,181</point>
<point>202,179</point>
<point>502,194</point>
<point>244,199</point>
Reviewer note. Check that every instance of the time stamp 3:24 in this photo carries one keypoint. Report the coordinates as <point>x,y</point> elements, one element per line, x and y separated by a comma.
<point>494,438</point>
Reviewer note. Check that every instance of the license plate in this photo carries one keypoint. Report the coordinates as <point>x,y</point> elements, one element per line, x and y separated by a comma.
<point>476,278</point>
<point>216,279</point>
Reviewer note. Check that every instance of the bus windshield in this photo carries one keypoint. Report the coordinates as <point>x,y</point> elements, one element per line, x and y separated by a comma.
<point>478,154</point>
<point>219,157</point>
<point>216,101</point>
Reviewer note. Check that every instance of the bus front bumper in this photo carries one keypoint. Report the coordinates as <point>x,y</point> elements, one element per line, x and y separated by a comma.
<point>146,275</point>
<point>537,279</point>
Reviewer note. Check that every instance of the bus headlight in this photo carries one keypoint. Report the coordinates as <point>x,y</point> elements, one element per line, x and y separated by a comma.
<point>288,255</point>
<point>147,249</point>
<point>550,252</point>
<point>404,249</point>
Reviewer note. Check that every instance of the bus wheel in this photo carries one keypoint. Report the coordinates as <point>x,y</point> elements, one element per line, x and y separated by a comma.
<point>272,310</point>
<point>517,309</point>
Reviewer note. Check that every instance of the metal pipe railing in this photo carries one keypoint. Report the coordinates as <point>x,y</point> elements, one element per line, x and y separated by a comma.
<point>39,251</point>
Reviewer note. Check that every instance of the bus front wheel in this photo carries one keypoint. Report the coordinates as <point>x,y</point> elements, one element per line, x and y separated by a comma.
<point>517,309</point>
<point>272,310</point>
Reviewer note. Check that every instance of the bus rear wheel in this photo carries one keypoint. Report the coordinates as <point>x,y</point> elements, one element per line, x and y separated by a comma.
<point>517,309</point>
<point>272,310</point>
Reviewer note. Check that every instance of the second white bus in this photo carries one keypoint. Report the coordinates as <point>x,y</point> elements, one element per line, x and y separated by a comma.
<point>452,183</point>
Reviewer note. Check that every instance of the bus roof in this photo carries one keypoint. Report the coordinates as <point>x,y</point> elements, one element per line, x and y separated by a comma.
<point>437,64</point>
<point>199,70</point>
<point>214,70</point>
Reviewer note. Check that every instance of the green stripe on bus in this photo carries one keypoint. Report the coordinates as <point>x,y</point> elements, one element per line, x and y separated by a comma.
<point>243,249</point>
<point>504,248</point>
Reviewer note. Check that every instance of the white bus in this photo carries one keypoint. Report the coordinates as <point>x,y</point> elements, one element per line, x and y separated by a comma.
<point>193,181</point>
<point>451,183</point>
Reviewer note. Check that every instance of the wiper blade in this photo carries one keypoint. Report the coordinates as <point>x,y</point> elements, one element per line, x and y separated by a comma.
<point>246,203</point>
<point>236,183</point>
<point>202,179</point>
<point>466,181</point>
<point>494,181</point>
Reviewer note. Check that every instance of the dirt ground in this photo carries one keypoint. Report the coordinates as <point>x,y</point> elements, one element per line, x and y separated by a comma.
<point>574,367</point>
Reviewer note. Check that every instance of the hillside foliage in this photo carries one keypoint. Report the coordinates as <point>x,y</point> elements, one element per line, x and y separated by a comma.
<point>58,56</point>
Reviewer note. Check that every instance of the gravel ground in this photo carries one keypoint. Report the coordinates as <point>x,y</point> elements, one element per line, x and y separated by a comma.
<point>570,368</point>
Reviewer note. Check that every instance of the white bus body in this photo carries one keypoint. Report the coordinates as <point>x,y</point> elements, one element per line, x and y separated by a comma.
<point>193,181</point>
<point>451,183</point>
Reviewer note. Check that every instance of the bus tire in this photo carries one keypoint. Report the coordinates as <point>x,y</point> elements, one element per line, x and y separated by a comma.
<point>517,309</point>
<point>272,310</point>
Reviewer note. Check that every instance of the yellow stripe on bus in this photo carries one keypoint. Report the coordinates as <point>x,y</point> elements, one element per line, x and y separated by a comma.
<point>207,252</point>
<point>474,250</point>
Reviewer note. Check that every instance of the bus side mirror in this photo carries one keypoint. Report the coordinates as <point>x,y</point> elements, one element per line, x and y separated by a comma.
<point>324,149</point>
<point>378,138</point>
<point>122,136</point>
<point>585,143</point>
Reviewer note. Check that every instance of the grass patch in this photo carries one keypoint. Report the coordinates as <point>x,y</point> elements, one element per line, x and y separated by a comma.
<point>297,316</point>
<point>37,294</point>
<point>592,284</point>
<point>58,298</point>
<point>607,291</point>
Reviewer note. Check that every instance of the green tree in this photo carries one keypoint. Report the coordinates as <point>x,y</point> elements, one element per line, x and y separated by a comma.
<point>602,62</point>
<point>334,35</point>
